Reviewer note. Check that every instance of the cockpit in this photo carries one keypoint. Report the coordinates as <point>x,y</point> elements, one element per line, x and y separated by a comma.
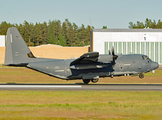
<point>145,57</point>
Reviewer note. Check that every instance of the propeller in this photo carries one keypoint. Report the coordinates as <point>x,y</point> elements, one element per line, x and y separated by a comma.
<point>114,56</point>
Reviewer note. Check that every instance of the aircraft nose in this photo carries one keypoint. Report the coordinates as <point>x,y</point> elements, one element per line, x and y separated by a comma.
<point>154,65</point>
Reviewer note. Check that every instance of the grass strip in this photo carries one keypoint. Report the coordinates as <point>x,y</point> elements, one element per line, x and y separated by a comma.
<point>25,75</point>
<point>81,104</point>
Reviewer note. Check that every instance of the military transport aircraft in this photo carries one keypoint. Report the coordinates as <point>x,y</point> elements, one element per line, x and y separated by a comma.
<point>88,67</point>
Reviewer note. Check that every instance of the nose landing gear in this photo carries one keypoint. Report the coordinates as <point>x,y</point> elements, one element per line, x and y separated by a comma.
<point>141,75</point>
<point>112,75</point>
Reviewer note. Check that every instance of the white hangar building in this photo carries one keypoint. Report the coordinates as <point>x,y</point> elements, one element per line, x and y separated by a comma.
<point>128,41</point>
<point>2,40</point>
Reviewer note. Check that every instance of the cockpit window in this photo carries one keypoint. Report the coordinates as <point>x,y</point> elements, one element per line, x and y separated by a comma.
<point>145,57</point>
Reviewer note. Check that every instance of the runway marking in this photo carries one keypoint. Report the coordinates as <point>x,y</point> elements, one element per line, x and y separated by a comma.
<point>79,87</point>
<point>39,86</point>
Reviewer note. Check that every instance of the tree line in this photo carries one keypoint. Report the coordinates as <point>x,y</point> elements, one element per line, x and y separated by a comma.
<point>64,34</point>
<point>148,24</point>
<point>53,32</point>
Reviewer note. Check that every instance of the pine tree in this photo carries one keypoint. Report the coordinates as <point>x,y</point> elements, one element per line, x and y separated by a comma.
<point>64,31</point>
<point>61,40</point>
<point>26,31</point>
<point>87,37</point>
<point>44,33</point>
<point>51,33</point>
<point>81,35</point>
<point>148,23</point>
<point>21,30</point>
<point>159,24</point>
<point>104,27</point>
<point>36,42</point>
<point>57,28</point>
<point>75,35</point>
<point>31,34</point>
<point>3,27</point>
<point>70,35</point>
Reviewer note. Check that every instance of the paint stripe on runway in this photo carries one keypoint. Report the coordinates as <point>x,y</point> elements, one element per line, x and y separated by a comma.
<point>40,86</point>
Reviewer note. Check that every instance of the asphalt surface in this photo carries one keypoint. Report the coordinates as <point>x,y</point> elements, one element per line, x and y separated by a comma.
<point>118,87</point>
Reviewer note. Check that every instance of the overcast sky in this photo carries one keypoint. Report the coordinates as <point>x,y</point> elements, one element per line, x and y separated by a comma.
<point>98,13</point>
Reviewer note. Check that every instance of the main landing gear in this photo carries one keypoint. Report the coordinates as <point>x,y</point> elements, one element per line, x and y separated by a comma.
<point>141,75</point>
<point>94,80</point>
<point>86,81</point>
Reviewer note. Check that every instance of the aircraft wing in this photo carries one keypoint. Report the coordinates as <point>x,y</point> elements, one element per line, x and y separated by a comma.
<point>89,57</point>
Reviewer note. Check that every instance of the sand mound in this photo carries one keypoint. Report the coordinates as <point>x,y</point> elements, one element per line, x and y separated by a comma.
<point>52,51</point>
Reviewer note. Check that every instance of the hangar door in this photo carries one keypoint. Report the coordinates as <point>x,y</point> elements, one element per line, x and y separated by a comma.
<point>152,49</point>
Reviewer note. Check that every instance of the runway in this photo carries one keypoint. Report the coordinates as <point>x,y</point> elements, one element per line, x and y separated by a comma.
<point>113,87</point>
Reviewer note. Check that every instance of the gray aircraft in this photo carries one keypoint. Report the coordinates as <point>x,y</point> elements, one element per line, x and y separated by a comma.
<point>88,67</point>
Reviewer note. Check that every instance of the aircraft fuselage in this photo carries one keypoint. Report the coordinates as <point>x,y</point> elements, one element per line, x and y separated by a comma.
<point>130,64</point>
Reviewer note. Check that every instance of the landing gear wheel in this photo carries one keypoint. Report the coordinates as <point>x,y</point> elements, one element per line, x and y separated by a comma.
<point>112,76</point>
<point>94,80</point>
<point>141,75</point>
<point>86,81</point>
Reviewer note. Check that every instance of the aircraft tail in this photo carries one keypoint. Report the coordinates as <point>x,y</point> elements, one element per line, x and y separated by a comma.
<point>17,52</point>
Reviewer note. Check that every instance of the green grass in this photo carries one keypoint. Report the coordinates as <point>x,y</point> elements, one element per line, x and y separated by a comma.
<point>81,104</point>
<point>3,66</point>
<point>157,73</point>
<point>25,75</point>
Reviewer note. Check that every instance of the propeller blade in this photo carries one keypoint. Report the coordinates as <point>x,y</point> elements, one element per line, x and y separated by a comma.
<point>113,51</point>
<point>114,56</point>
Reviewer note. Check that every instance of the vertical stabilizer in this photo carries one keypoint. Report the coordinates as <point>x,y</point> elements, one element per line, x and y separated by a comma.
<point>17,52</point>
